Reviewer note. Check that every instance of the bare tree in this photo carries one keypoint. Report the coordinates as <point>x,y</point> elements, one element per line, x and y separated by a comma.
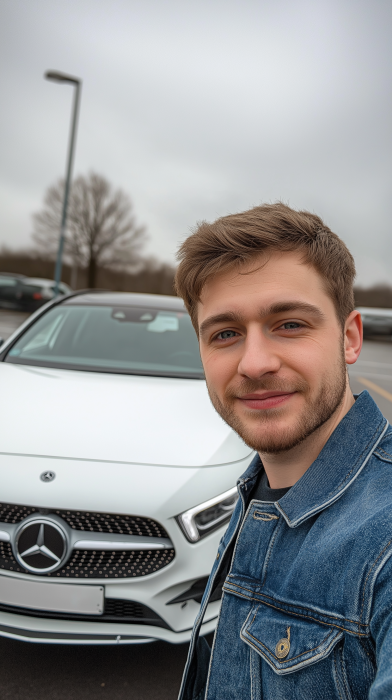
<point>101,226</point>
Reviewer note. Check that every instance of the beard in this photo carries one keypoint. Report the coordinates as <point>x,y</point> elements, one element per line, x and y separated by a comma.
<point>261,431</point>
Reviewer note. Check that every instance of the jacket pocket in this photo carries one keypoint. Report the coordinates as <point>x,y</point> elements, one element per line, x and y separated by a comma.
<point>285,642</point>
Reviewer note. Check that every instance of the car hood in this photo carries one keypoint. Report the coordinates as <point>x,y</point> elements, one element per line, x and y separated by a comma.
<point>112,418</point>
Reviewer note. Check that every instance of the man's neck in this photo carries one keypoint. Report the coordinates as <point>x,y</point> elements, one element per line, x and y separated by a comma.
<point>285,469</point>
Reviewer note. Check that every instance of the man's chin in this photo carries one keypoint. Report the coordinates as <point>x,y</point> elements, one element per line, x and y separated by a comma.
<point>276,442</point>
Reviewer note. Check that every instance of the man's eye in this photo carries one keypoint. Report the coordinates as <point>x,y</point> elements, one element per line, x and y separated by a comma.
<point>226,335</point>
<point>290,325</point>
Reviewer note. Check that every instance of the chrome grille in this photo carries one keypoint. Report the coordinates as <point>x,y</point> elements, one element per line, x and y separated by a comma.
<point>99,564</point>
<point>118,524</point>
<point>88,521</point>
<point>147,550</point>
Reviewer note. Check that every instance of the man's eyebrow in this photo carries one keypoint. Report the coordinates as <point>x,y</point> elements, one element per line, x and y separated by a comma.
<point>282,307</point>
<point>226,317</point>
<point>278,308</point>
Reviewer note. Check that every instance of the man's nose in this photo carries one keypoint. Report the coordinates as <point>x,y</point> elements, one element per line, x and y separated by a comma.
<point>259,355</point>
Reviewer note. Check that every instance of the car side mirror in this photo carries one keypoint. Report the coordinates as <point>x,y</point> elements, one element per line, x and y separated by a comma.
<point>1,341</point>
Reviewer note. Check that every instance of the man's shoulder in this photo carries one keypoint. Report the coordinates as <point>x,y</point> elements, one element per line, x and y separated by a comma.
<point>370,495</point>
<point>367,501</point>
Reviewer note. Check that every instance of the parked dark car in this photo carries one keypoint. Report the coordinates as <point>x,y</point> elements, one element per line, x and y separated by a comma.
<point>37,291</point>
<point>376,321</point>
<point>11,285</point>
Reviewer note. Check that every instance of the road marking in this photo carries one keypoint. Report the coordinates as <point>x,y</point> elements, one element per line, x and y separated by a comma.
<point>376,388</point>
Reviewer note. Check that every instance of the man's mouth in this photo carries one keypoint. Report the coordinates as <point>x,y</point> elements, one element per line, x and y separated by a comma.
<point>266,399</point>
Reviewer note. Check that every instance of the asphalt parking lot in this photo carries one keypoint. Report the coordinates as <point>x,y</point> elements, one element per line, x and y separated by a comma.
<point>137,672</point>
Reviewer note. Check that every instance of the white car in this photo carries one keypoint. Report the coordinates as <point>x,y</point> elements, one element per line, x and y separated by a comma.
<point>117,477</point>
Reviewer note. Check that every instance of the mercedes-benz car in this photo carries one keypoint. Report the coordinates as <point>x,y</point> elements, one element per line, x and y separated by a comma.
<point>117,477</point>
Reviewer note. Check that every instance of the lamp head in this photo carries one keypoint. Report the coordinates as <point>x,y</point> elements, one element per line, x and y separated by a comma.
<point>61,77</point>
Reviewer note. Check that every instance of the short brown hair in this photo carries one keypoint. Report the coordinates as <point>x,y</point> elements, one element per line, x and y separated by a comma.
<point>234,240</point>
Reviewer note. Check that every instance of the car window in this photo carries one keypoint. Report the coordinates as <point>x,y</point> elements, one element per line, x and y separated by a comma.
<point>112,339</point>
<point>8,282</point>
<point>31,287</point>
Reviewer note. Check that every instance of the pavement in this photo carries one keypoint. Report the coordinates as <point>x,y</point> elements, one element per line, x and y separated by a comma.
<point>149,671</point>
<point>56,672</point>
<point>373,371</point>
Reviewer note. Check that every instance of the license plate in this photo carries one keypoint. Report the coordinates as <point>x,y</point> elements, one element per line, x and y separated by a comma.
<point>53,597</point>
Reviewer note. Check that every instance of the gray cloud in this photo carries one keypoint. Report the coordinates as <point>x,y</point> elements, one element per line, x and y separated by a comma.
<point>202,108</point>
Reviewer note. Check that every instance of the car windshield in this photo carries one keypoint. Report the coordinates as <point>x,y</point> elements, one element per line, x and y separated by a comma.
<point>117,339</point>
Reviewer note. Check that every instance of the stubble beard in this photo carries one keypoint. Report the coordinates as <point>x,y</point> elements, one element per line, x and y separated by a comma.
<point>259,432</point>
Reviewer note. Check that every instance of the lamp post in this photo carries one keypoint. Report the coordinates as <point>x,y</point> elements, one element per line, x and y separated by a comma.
<point>58,77</point>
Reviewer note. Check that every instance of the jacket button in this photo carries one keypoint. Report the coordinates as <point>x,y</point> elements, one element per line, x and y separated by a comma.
<point>217,556</point>
<point>283,646</point>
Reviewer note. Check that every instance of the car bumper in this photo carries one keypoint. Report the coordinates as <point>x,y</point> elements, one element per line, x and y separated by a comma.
<point>35,629</point>
<point>37,617</point>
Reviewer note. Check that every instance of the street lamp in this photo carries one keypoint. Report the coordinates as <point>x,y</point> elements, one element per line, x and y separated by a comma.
<point>63,78</point>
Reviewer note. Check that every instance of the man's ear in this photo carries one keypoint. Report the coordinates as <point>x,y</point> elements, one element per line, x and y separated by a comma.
<point>353,336</point>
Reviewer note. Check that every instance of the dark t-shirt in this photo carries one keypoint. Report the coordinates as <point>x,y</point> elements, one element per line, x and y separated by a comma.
<point>263,492</point>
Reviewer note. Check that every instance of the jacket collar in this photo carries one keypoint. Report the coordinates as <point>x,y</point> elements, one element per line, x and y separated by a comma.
<point>340,461</point>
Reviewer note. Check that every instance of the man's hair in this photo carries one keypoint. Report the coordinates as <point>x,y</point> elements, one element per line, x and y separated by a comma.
<point>237,239</point>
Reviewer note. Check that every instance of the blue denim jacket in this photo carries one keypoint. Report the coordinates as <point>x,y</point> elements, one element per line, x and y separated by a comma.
<point>306,611</point>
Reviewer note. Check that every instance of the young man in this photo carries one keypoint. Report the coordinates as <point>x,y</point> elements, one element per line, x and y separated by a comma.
<point>306,561</point>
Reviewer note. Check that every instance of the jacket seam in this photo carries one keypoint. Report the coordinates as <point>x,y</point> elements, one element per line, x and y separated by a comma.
<point>385,456</point>
<point>344,674</point>
<point>246,513</point>
<point>337,676</point>
<point>212,653</point>
<point>302,607</point>
<point>370,571</point>
<point>307,617</point>
<point>269,552</point>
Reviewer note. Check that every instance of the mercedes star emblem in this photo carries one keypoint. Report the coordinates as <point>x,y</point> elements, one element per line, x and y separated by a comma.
<point>47,476</point>
<point>40,545</point>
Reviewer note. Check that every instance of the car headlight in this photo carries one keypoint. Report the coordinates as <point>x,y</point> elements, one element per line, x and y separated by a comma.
<point>201,520</point>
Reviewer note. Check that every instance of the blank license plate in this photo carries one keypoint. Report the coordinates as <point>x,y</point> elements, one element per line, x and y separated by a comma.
<point>54,597</point>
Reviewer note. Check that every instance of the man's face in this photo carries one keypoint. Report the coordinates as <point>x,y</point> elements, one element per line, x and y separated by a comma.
<point>273,351</point>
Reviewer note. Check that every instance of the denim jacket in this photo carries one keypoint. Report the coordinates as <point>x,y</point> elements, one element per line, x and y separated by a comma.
<point>306,611</point>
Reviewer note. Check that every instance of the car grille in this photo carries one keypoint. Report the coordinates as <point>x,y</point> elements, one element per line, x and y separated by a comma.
<point>92,522</point>
<point>129,611</point>
<point>94,563</point>
<point>10,513</point>
<point>98,564</point>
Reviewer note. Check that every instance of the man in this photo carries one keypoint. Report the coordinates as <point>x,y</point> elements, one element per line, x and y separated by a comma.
<point>306,561</point>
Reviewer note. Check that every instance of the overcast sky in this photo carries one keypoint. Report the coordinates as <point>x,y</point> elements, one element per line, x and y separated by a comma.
<point>200,108</point>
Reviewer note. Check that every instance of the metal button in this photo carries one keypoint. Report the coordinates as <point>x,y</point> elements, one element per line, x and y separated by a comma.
<point>283,646</point>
